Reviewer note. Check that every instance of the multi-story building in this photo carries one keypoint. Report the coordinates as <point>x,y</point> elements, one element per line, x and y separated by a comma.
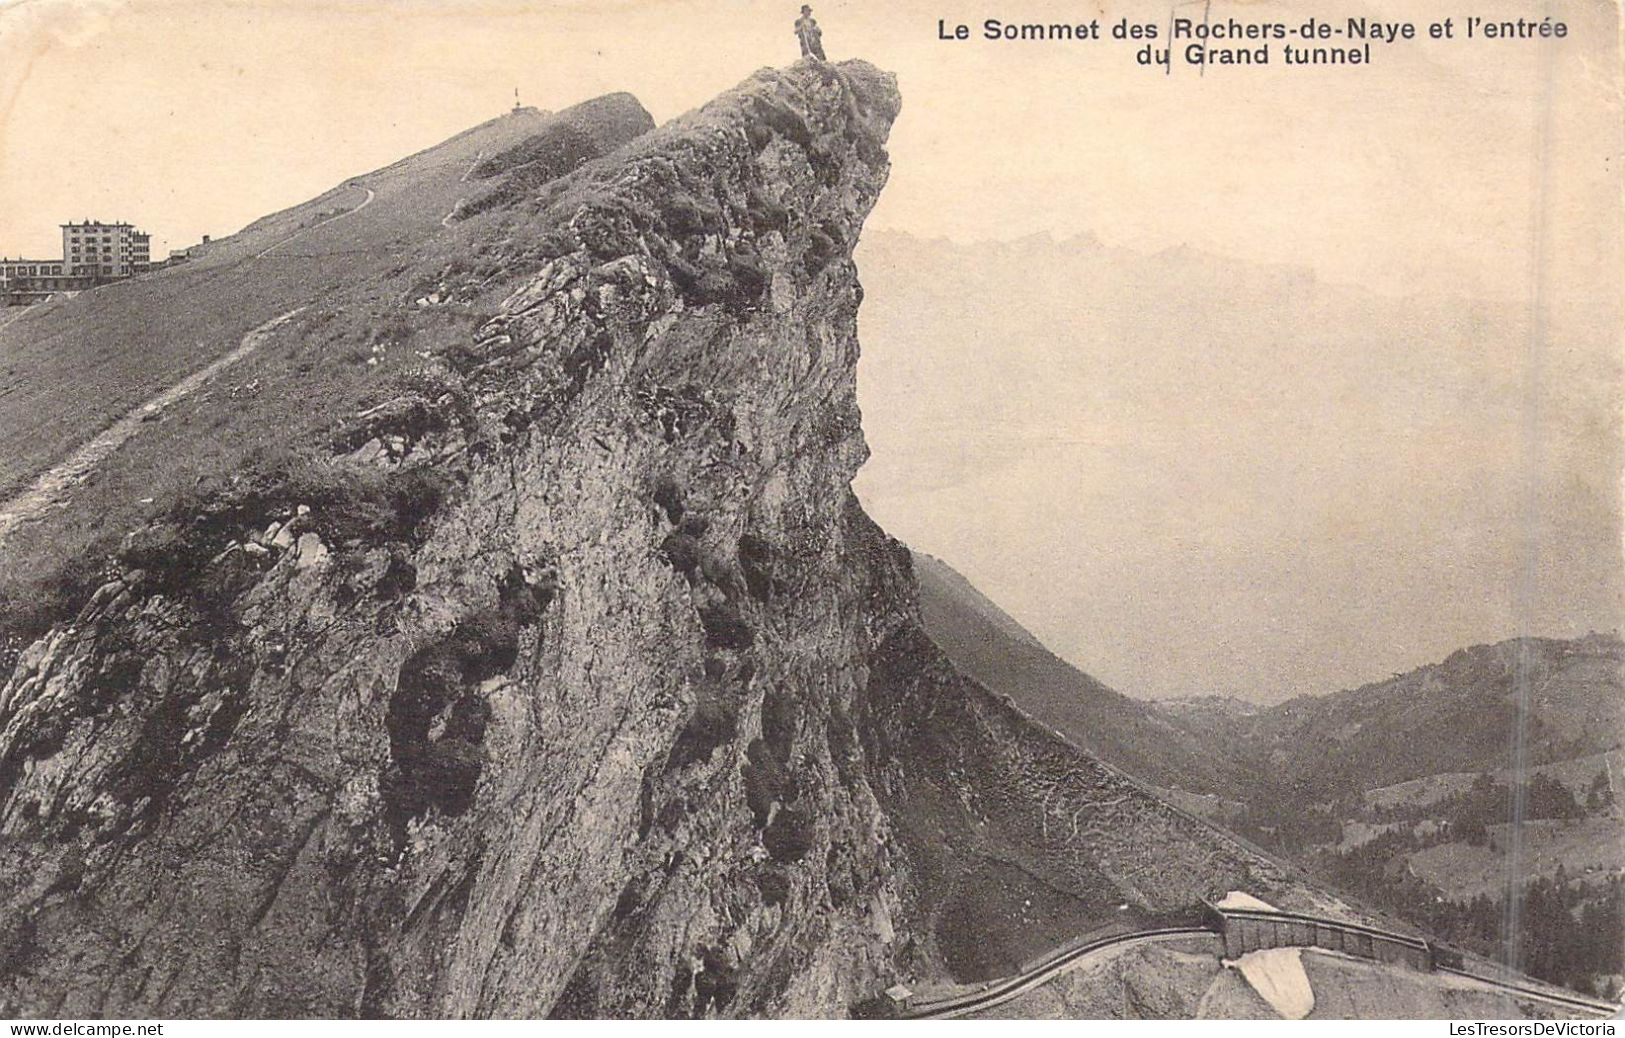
<point>92,253</point>
<point>105,250</point>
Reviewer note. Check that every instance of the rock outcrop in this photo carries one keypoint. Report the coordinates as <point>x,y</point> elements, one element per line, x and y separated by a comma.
<point>574,681</point>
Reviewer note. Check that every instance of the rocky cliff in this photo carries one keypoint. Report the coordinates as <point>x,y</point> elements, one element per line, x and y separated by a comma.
<point>569,679</point>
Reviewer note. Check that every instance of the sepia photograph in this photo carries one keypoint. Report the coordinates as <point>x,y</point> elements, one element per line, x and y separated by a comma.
<point>631,510</point>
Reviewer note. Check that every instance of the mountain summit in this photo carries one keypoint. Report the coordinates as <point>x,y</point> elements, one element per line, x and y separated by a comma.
<point>522,650</point>
<point>554,670</point>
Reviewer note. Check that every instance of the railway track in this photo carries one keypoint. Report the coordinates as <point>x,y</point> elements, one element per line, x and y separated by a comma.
<point>1590,1005</point>
<point>1001,991</point>
<point>997,992</point>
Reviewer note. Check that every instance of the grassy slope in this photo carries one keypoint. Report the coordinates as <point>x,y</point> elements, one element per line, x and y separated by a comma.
<point>72,367</point>
<point>1577,774</point>
<point>1588,849</point>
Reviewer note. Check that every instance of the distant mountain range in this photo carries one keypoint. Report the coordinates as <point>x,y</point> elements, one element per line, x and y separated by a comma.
<point>1454,716</point>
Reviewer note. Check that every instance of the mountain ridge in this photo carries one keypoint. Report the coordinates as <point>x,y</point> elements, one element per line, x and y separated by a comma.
<point>995,649</point>
<point>527,653</point>
<point>1576,710</point>
<point>524,650</point>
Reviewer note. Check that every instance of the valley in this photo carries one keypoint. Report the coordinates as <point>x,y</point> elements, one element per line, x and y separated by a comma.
<point>1311,781</point>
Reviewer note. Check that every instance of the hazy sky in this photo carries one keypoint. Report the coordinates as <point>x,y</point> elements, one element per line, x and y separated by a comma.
<point>1192,474</point>
<point>1476,168</point>
<point>197,117</point>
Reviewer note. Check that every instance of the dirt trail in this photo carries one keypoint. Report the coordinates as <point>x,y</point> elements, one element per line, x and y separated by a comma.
<point>323,223</point>
<point>48,490</point>
<point>445,221</point>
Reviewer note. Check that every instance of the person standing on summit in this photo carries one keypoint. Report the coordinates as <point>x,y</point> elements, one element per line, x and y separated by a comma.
<point>811,37</point>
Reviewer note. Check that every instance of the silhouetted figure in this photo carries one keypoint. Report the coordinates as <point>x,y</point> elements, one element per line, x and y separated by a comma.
<point>811,37</point>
